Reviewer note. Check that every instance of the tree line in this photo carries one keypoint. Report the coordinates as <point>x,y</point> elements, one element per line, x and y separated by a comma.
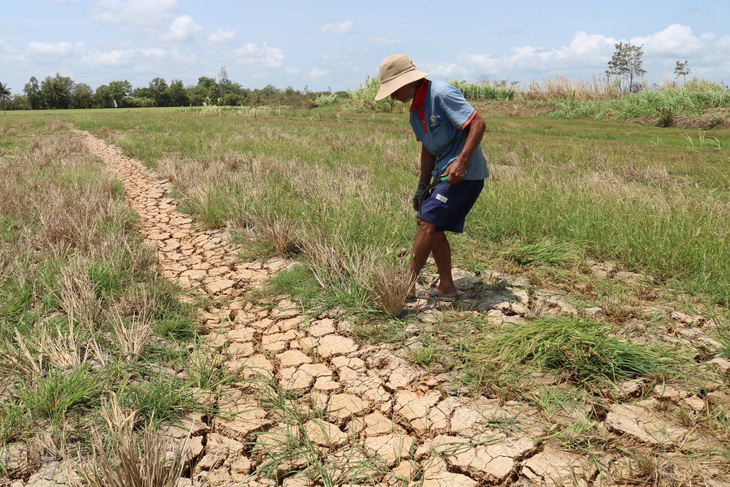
<point>59,92</point>
<point>62,92</point>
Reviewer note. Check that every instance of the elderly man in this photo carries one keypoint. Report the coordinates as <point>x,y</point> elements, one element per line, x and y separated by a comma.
<point>450,131</point>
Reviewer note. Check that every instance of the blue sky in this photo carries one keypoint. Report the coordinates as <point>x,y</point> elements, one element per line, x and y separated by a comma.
<point>335,44</point>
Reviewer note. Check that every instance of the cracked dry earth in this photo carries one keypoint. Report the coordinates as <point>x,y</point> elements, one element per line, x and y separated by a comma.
<point>383,413</point>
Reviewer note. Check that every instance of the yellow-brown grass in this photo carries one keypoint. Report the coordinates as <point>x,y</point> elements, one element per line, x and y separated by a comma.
<point>124,460</point>
<point>561,88</point>
<point>392,285</point>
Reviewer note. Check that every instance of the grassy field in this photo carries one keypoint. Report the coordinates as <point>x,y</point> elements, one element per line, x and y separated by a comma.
<point>84,320</point>
<point>654,200</point>
<point>332,188</point>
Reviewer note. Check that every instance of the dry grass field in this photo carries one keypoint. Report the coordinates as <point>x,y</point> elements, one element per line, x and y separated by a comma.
<point>212,298</point>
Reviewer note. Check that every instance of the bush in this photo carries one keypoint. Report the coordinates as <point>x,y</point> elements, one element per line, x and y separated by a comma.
<point>484,92</point>
<point>666,118</point>
<point>326,100</point>
<point>364,98</point>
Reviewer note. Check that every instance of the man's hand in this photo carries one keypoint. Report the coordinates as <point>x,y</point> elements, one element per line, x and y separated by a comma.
<point>455,172</point>
<point>418,197</point>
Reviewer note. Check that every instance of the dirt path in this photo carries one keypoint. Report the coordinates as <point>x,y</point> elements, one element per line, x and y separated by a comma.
<point>386,420</point>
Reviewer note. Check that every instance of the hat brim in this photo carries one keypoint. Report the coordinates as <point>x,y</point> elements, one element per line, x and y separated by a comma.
<point>391,86</point>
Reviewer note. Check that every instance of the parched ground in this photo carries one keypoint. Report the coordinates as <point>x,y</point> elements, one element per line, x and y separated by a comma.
<point>387,419</point>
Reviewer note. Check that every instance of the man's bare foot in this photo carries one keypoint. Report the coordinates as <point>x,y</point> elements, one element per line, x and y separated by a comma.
<point>435,293</point>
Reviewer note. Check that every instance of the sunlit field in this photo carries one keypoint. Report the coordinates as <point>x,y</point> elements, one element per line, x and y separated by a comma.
<point>654,200</point>
<point>88,329</point>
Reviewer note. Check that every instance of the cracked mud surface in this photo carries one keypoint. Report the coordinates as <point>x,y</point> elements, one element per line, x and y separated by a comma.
<point>398,423</point>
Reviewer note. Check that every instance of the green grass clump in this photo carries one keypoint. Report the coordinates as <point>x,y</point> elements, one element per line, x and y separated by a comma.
<point>583,351</point>
<point>159,399</point>
<point>61,394</point>
<point>543,253</point>
<point>326,100</point>
<point>298,282</point>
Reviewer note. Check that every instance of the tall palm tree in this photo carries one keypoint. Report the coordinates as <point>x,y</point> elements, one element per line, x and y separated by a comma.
<point>4,91</point>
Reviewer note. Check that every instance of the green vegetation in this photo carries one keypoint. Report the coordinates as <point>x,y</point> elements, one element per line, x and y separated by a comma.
<point>83,316</point>
<point>88,331</point>
<point>581,351</point>
<point>626,63</point>
<point>62,92</point>
<point>706,106</point>
<point>484,92</point>
<point>651,199</point>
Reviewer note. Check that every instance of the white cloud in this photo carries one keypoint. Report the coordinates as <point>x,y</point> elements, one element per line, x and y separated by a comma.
<point>589,53</point>
<point>265,56</point>
<point>5,47</point>
<point>448,71</point>
<point>338,29</point>
<point>221,36</point>
<point>52,48</point>
<point>385,41</point>
<point>108,58</point>
<point>182,29</point>
<point>316,72</point>
<point>588,45</point>
<point>125,57</point>
<point>583,50</point>
<point>133,14</point>
<point>482,62</point>
<point>675,40</point>
<point>9,54</point>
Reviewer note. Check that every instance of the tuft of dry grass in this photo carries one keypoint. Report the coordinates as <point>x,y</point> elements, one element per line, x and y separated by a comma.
<point>280,233</point>
<point>77,294</point>
<point>22,357</point>
<point>334,262</point>
<point>391,287</point>
<point>30,356</point>
<point>131,335</point>
<point>125,460</point>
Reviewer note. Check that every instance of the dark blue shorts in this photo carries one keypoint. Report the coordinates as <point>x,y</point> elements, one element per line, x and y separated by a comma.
<point>449,204</point>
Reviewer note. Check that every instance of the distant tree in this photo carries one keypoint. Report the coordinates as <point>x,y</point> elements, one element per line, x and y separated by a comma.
<point>176,94</point>
<point>234,95</point>
<point>82,96</point>
<point>207,83</point>
<point>682,70</point>
<point>103,97</point>
<point>223,82</point>
<point>4,92</point>
<point>206,91</point>
<point>16,102</point>
<point>626,63</point>
<point>32,92</point>
<point>120,92</point>
<point>56,91</point>
<point>158,91</point>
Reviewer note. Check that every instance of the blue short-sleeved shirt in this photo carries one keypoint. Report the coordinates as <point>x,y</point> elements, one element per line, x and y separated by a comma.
<point>441,131</point>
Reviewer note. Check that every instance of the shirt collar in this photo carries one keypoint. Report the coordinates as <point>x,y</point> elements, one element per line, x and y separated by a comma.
<point>417,105</point>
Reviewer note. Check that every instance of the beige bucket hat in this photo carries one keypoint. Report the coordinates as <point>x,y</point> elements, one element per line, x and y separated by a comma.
<point>396,71</point>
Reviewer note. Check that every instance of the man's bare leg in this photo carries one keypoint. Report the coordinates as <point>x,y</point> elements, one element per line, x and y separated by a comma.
<point>441,251</point>
<point>421,247</point>
<point>429,241</point>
